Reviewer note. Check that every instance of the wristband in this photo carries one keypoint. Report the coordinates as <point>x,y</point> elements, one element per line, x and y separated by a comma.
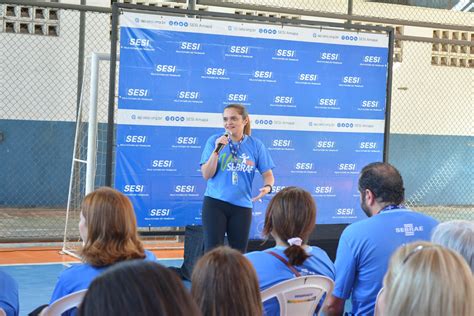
<point>268,185</point>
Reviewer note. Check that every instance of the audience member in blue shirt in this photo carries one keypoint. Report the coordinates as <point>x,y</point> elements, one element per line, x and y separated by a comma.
<point>365,247</point>
<point>138,287</point>
<point>290,218</point>
<point>9,295</point>
<point>108,228</point>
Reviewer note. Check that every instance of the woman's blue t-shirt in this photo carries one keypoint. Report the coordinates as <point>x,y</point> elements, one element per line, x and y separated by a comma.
<point>252,156</point>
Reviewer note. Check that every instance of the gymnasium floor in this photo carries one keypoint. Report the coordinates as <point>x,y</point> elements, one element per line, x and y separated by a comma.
<point>36,270</point>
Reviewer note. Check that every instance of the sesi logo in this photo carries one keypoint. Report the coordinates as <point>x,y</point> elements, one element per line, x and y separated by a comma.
<point>137,92</point>
<point>327,102</point>
<point>139,42</point>
<point>323,189</point>
<point>134,188</point>
<point>345,211</point>
<point>367,145</point>
<point>236,97</point>
<point>190,46</point>
<point>307,77</point>
<point>215,71</point>
<point>370,104</point>
<point>166,68</point>
<point>161,163</point>
<point>283,100</point>
<point>347,166</point>
<point>263,74</point>
<point>160,212</point>
<point>188,95</point>
<point>326,144</point>
<point>239,49</point>
<point>285,53</point>
<point>329,56</point>
<point>186,140</point>
<point>281,143</point>
<point>372,59</point>
<point>135,139</point>
<point>351,79</point>
<point>185,188</point>
<point>304,166</point>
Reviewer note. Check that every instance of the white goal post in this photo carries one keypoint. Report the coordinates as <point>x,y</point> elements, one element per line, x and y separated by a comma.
<point>87,171</point>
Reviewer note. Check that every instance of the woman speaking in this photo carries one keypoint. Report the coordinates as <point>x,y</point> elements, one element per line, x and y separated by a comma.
<point>228,163</point>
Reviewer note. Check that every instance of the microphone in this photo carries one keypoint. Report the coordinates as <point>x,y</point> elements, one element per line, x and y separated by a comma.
<point>221,145</point>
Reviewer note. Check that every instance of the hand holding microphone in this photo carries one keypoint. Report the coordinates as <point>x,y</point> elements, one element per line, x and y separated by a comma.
<point>222,141</point>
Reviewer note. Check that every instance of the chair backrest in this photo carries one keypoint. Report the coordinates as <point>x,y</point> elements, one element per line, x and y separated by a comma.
<point>64,303</point>
<point>300,296</point>
<point>2,312</point>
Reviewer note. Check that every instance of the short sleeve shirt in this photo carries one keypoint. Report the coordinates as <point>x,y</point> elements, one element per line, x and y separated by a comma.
<point>365,248</point>
<point>252,156</point>
<point>271,271</point>
<point>79,277</point>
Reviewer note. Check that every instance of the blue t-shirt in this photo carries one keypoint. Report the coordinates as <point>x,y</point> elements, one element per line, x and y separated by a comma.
<point>252,156</point>
<point>365,248</point>
<point>271,270</point>
<point>9,295</point>
<point>79,277</point>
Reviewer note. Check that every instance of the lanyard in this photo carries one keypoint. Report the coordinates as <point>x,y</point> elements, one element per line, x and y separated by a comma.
<point>234,148</point>
<point>391,207</point>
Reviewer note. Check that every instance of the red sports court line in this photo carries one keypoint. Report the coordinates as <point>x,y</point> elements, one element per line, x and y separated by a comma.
<point>54,255</point>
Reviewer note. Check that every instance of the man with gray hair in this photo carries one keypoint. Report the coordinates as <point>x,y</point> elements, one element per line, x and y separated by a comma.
<point>457,235</point>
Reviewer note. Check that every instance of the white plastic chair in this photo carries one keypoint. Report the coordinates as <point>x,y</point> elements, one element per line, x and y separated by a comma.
<point>300,296</point>
<point>64,303</point>
<point>2,312</point>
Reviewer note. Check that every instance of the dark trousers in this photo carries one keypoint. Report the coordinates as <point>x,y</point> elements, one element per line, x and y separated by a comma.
<point>219,217</point>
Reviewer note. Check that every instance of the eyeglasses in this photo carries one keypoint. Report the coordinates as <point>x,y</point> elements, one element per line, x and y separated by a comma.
<point>415,250</point>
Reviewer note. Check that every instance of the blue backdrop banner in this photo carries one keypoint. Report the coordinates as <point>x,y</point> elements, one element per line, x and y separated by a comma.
<point>316,98</point>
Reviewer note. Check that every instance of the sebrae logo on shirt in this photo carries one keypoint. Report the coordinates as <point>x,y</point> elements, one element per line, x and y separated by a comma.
<point>244,164</point>
<point>408,229</point>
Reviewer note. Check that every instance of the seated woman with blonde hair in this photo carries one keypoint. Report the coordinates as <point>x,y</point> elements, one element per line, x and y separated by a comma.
<point>108,229</point>
<point>427,279</point>
<point>290,218</point>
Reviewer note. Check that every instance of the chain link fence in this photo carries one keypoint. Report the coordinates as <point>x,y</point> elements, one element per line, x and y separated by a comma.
<point>445,12</point>
<point>41,61</point>
<point>44,58</point>
<point>431,139</point>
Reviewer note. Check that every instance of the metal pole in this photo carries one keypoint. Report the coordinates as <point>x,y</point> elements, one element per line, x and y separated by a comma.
<point>388,105</point>
<point>80,57</point>
<point>110,120</point>
<point>191,4</point>
<point>350,5</point>
<point>92,127</point>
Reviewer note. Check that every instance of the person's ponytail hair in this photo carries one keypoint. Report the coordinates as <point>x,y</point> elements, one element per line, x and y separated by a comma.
<point>290,214</point>
<point>245,115</point>
<point>296,255</point>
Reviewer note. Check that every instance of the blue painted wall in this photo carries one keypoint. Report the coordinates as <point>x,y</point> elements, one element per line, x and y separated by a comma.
<point>440,168</point>
<point>35,164</point>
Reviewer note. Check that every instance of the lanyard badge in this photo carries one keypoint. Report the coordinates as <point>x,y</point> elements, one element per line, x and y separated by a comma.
<point>234,150</point>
